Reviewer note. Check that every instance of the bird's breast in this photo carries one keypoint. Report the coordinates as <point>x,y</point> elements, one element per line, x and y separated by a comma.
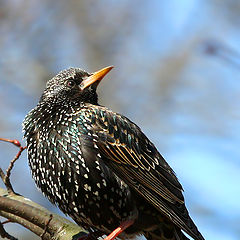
<point>67,166</point>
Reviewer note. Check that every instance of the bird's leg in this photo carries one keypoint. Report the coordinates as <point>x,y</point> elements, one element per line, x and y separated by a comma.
<point>119,230</point>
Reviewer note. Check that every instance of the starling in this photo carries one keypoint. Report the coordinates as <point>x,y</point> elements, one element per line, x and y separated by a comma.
<point>98,167</point>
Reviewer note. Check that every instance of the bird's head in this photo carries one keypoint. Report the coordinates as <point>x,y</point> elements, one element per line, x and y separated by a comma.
<point>73,85</point>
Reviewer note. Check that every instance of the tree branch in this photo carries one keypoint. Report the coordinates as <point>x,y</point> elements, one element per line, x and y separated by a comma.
<point>34,217</point>
<point>4,234</point>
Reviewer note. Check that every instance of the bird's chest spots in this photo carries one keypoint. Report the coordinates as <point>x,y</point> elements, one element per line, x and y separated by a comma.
<point>70,171</point>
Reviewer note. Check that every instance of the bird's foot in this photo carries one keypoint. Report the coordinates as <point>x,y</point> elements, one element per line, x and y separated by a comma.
<point>119,230</point>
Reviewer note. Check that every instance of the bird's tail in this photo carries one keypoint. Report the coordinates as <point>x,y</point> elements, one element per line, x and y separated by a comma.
<point>164,234</point>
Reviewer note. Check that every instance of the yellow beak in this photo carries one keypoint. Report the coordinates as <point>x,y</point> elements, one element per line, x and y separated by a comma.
<point>96,76</point>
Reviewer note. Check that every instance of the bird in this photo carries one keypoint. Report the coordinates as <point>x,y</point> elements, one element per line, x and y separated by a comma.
<point>98,166</point>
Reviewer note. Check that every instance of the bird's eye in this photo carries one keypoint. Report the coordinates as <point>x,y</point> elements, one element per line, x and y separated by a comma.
<point>71,83</point>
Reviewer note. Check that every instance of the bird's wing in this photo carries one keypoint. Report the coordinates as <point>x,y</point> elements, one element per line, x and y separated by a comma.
<point>130,154</point>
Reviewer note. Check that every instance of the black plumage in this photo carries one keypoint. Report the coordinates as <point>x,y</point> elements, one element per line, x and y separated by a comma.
<point>98,166</point>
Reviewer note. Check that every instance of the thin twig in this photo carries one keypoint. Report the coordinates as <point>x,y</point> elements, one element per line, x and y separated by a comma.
<point>8,185</point>
<point>8,171</point>
<point>6,177</point>
<point>6,221</point>
<point>46,226</point>
<point>5,234</point>
<point>2,174</point>
<point>14,141</point>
